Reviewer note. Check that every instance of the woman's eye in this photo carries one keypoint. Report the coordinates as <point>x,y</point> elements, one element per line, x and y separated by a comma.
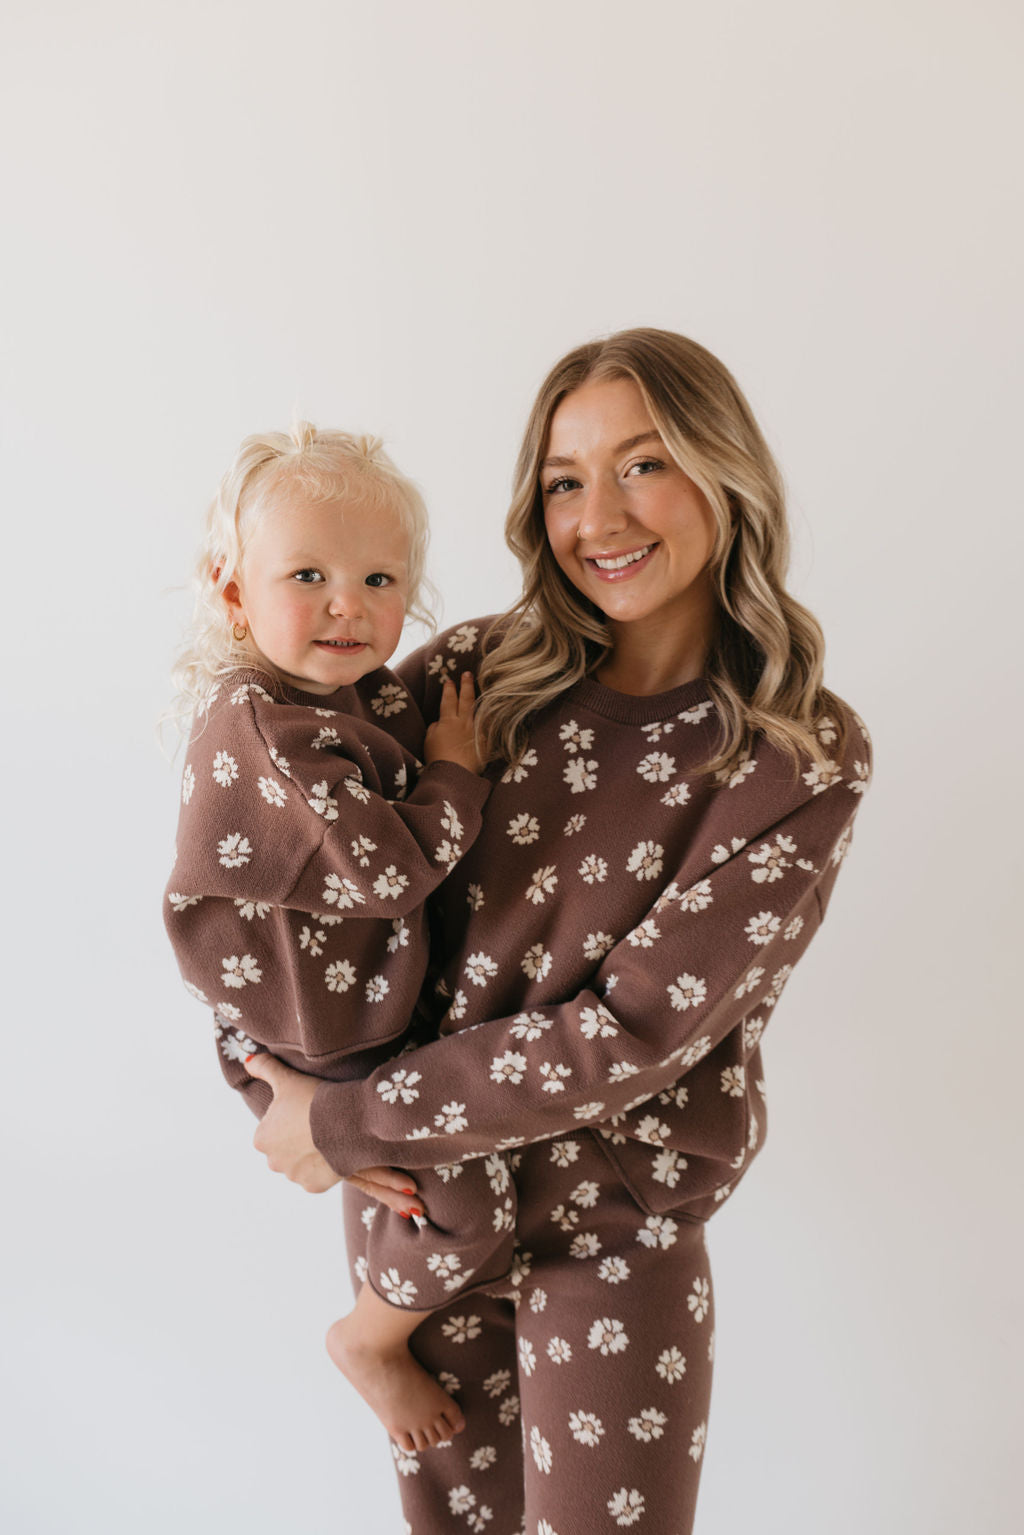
<point>307,577</point>
<point>378,578</point>
<point>561,485</point>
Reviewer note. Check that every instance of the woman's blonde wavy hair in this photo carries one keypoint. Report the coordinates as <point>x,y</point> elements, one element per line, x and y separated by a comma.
<point>268,468</point>
<point>764,667</point>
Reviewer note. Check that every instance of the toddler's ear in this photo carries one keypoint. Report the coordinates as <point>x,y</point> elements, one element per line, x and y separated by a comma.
<point>232,597</point>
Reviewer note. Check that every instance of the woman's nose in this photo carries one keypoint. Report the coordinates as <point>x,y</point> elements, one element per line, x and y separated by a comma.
<point>602,513</point>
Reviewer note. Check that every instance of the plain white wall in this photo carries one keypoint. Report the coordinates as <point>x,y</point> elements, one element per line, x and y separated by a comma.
<point>395,216</point>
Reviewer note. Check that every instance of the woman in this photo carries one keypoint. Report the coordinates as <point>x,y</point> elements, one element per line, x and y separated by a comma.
<point>673,796</point>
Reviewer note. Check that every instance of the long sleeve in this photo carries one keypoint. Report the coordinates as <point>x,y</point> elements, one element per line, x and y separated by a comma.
<point>283,808</point>
<point>296,903</point>
<point>716,945</point>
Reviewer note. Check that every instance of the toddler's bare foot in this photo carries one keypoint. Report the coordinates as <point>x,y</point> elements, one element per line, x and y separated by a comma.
<point>415,1410</point>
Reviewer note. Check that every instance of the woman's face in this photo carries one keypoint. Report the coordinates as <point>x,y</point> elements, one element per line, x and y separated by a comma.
<point>630,530</point>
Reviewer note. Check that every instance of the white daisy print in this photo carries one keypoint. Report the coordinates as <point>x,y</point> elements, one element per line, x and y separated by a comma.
<point>339,976</point>
<point>580,774</point>
<point>529,1026</point>
<point>861,778</point>
<point>272,791</point>
<point>770,860</point>
<point>794,928</point>
<point>627,1506</point>
<point>584,1245</point>
<point>574,738</point>
<point>733,777</point>
<point>586,1428</point>
<point>497,1384</point>
<point>247,909</point>
<point>508,1410</point>
<point>687,991</point>
<point>593,869</point>
<point>559,1351</point>
<point>234,851</point>
<point>462,1329</point>
<point>540,1450</point>
<point>400,1085</point>
<point>377,988</point>
<point>698,897</point>
<point>613,1270</point>
<point>474,897</point>
<point>678,794</point>
<point>699,1301</point>
<point>720,853</point>
<point>508,1067</point>
<point>225,769</point>
<point>698,1439</point>
<point>480,968</point>
<point>671,1365</point>
<point>762,928</point>
<point>399,936</point>
<point>452,1118</point>
<point>565,1153</point>
<point>597,945</point>
<point>390,699</point>
<point>644,936</point>
<point>390,884</point>
<point>645,861</point>
<point>734,1081</point>
<point>822,776</point>
<point>241,970</point>
<point>608,1336</point>
<point>521,768</point>
<point>555,1077</point>
<point>399,1291</point>
<point>574,824</point>
<point>342,893</point>
<point>597,1023</point>
<point>536,962</point>
<point>322,802</point>
<point>527,1357</point>
<point>542,884</point>
<point>483,1458</point>
<point>657,767</point>
<point>647,1425</point>
<point>523,829</point>
<point>464,638</point>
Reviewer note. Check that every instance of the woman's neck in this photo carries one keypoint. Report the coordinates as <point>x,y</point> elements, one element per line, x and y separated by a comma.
<point>650,658</point>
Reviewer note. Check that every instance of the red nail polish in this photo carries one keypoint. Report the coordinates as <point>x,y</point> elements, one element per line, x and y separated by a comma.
<point>404,1191</point>
<point>251,1057</point>
<point>405,1214</point>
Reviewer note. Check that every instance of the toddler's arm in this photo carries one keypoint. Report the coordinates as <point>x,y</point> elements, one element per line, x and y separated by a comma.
<point>452,737</point>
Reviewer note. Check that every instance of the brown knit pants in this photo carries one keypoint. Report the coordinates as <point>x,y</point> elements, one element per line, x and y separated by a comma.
<point>585,1376</point>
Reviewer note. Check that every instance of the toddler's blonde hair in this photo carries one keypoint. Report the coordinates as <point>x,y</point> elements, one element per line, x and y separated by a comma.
<point>322,466</point>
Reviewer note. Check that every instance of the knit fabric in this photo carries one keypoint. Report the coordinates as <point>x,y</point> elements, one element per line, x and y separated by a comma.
<point>614,943</point>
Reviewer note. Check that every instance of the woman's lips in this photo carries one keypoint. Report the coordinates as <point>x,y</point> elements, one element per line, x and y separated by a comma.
<point>620,567</point>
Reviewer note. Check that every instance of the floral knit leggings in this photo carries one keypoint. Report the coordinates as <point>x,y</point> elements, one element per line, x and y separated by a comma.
<point>584,1376</point>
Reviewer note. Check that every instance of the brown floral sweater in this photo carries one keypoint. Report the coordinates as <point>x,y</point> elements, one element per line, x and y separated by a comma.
<point>306,849</point>
<point>613,944</point>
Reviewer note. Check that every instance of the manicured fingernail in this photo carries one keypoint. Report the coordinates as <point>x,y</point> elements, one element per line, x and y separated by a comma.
<point>408,1191</point>
<point>405,1214</point>
<point>251,1057</point>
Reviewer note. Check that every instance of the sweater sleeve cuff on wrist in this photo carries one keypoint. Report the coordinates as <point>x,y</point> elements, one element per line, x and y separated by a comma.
<point>332,1118</point>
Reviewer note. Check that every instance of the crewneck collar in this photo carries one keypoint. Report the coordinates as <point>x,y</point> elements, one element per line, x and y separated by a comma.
<point>638,708</point>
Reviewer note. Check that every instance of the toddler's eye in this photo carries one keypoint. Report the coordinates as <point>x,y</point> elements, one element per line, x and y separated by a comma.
<point>378,578</point>
<point>647,465</point>
<point>307,577</point>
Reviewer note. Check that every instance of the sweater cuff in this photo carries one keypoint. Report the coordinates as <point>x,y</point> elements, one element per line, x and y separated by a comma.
<point>333,1118</point>
<point>469,790</point>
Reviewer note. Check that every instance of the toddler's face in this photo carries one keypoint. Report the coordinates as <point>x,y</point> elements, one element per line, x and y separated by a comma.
<point>323,590</point>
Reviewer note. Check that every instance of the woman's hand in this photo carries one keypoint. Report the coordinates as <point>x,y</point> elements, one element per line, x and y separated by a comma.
<point>283,1135</point>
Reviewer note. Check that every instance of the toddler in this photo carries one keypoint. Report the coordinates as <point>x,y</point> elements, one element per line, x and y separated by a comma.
<point>309,839</point>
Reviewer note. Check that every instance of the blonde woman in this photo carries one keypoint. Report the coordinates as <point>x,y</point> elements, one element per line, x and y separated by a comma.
<point>673,792</point>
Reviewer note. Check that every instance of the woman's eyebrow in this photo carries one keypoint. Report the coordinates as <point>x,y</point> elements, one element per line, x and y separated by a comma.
<point>623,447</point>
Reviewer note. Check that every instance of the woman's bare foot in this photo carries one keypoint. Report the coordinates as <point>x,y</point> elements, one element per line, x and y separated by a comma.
<point>415,1410</point>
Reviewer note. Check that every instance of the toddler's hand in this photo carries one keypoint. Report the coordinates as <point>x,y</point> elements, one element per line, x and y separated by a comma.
<point>452,738</point>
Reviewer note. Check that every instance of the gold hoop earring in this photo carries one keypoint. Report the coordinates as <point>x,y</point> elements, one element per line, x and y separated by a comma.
<point>239,632</point>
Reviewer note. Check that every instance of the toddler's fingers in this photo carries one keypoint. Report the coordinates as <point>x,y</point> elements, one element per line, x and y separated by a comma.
<point>467,694</point>
<point>449,700</point>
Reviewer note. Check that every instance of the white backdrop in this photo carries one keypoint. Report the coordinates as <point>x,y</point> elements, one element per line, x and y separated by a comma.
<point>394,217</point>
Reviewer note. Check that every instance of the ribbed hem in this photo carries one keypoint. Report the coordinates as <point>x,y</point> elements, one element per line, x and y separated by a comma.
<point>635,709</point>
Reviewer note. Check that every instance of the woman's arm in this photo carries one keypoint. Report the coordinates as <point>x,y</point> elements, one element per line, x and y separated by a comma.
<point>704,958</point>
